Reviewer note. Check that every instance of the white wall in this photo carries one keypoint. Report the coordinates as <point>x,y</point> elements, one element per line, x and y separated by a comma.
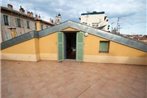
<point>95,19</point>
<point>6,32</point>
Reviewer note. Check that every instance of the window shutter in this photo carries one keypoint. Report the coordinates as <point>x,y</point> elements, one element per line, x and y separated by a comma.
<point>60,46</point>
<point>79,47</point>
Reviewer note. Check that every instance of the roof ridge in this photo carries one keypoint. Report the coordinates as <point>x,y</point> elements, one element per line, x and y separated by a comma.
<point>57,28</point>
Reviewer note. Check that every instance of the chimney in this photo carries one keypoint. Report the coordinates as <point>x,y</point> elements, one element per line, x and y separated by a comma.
<point>37,16</point>
<point>31,14</point>
<point>10,6</point>
<point>21,9</point>
<point>28,13</point>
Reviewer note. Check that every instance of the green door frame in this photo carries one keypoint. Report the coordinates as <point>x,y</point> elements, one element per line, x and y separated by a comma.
<point>79,46</point>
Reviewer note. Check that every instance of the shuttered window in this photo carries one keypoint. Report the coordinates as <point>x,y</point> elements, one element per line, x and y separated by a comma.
<point>104,47</point>
<point>6,22</point>
<point>28,24</point>
<point>41,26</point>
<point>18,22</point>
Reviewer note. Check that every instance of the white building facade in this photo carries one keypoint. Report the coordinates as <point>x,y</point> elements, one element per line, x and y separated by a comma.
<point>95,19</point>
<point>19,22</point>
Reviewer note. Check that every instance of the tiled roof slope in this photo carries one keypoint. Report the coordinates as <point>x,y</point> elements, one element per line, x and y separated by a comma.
<point>57,28</point>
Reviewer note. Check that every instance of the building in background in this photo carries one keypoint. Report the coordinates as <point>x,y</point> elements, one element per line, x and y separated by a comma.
<point>142,38</point>
<point>95,19</point>
<point>15,23</point>
<point>57,19</point>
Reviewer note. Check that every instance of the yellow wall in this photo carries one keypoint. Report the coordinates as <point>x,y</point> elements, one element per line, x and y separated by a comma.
<point>48,47</point>
<point>122,50</point>
<point>91,47</point>
<point>27,47</point>
<point>26,51</point>
<point>118,53</point>
<point>44,48</point>
<point>38,25</point>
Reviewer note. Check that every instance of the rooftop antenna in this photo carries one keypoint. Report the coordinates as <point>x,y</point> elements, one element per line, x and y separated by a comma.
<point>118,25</point>
<point>112,25</point>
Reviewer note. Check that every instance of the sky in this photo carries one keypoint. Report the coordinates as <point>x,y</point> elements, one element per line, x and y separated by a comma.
<point>131,13</point>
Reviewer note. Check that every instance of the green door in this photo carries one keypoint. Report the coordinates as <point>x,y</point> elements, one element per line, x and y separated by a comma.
<point>79,46</point>
<point>60,46</point>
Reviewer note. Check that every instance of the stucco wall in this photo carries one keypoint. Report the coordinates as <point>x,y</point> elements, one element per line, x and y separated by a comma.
<point>6,32</point>
<point>117,53</point>
<point>26,51</point>
<point>97,18</point>
<point>44,48</point>
<point>48,47</point>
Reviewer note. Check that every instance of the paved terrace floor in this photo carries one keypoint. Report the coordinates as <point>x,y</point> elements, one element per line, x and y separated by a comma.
<point>70,79</point>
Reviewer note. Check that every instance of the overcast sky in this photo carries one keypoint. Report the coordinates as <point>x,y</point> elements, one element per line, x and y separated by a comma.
<point>132,13</point>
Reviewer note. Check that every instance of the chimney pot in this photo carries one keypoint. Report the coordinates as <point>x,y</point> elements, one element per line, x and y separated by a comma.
<point>21,10</point>
<point>10,6</point>
<point>31,14</point>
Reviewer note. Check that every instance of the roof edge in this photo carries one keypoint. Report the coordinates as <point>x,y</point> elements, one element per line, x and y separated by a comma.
<point>112,37</point>
<point>19,39</point>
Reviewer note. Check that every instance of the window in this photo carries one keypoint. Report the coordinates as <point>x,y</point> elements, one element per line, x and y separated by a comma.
<point>95,25</point>
<point>18,23</point>
<point>41,26</point>
<point>104,47</point>
<point>84,23</point>
<point>28,24</point>
<point>6,22</point>
<point>105,17</point>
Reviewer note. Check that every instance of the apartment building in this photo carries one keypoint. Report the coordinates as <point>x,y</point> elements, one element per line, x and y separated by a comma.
<point>95,19</point>
<point>15,23</point>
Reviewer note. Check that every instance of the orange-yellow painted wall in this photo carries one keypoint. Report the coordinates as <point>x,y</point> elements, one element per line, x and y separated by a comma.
<point>121,50</point>
<point>27,47</point>
<point>38,25</point>
<point>48,44</point>
<point>25,51</point>
<point>48,47</point>
<point>91,47</point>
